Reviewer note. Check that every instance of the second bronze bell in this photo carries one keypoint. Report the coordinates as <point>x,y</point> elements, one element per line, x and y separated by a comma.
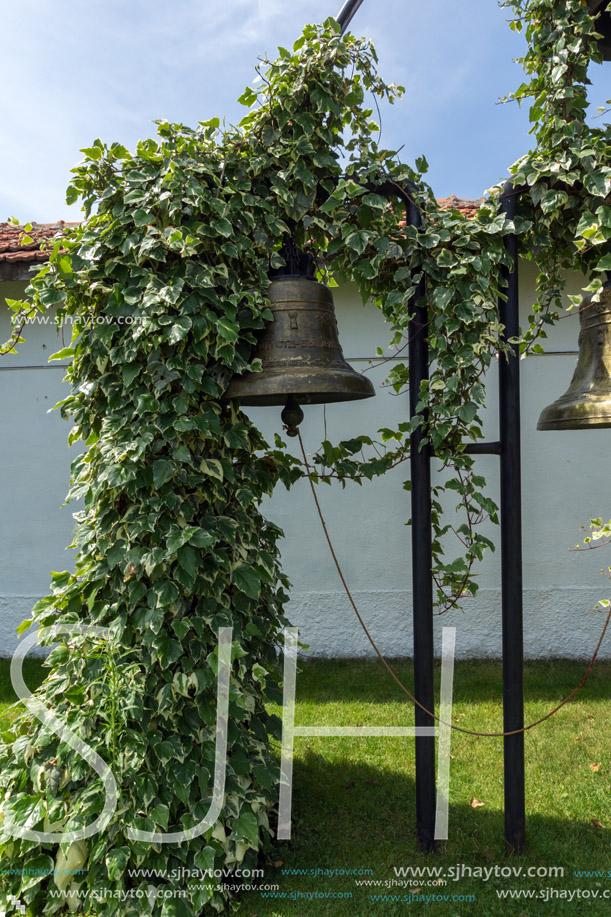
<point>300,351</point>
<point>587,402</point>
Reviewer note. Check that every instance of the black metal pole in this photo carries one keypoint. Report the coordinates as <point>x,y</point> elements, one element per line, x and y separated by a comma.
<point>346,13</point>
<point>511,548</point>
<point>422,548</point>
<point>422,563</point>
<point>422,551</point>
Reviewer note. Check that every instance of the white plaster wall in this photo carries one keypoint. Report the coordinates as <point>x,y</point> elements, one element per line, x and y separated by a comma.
<point>35,466</point>
<point>564,484</point>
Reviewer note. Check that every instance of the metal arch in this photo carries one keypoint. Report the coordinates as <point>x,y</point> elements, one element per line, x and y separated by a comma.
<point>344,17</point>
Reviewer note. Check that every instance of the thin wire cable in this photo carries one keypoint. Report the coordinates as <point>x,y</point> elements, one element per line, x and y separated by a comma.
<point>470,732</point>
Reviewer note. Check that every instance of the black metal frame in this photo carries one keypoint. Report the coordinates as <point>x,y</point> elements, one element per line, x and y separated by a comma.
<point>344,17</point>
<point>422,547</point>
<point>511,546</point>
<point>508,449</point>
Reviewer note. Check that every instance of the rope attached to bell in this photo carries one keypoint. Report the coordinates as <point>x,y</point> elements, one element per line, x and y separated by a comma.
<point>430,713</point>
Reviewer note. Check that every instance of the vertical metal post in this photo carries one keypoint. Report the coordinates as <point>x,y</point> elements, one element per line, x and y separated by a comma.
<point>511,548</point>
<point>346,13</point>
<point>422,562</point>
<point>422,548</point>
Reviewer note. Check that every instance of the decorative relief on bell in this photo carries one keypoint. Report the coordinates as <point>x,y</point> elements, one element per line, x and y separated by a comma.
<point>300,351</point>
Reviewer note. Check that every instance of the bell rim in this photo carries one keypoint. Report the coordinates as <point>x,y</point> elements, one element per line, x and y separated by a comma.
<point>273,400</point>
<point>600,422</point>
<point>307,386</point>
<point>575,416</point>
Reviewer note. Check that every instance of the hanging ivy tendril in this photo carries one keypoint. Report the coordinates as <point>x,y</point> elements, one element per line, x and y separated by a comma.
<point>165,286</point>
<point>563,224</point>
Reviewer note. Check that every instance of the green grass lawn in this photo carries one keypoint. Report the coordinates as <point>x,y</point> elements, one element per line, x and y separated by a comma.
<point>33,674</point>
<point>354,799</point>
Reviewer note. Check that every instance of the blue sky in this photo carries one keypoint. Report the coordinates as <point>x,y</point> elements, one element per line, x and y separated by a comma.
<point>106,68</point>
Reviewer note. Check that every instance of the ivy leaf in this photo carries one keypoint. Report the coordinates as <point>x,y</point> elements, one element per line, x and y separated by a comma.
<point>204,859</point>
<point>247,579</point>
<point>21,629</point>
<point>213,468</point>
<point>153,619</point>
<point>36,870</point>
<point>202,538</point>
<point>189,560</point>
<point>176,907</point>
<point>246,829</point>
<point>228,329</point>
<point>467,412</point>
<point>358,240</point>
<point>597,183</point>
<point>240,763</point>
<point>223,227</point>
<point>166,593</point>
<point>181,454</point>
<point>169,651</point>
<point>248,97</point>
<point>63,354</point>
<point>160,815</point>
<point>116,862</point>
<point>180,329</point>
<point>129,373</point>
<point>162,472</point>
<point>142,218</point>
<point>552,200</point>
<point>179,536</point>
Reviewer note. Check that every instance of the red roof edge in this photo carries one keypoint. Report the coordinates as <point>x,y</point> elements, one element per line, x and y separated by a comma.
<point>12,250</point>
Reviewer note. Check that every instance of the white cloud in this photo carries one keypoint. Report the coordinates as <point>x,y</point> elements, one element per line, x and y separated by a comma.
<point>107,68</point>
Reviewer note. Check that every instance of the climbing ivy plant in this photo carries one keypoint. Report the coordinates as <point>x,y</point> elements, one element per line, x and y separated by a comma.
<point>563,223</point>
<point>165,285</point>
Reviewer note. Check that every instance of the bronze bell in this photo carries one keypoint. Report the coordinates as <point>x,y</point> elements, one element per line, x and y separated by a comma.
<point>587,402</point>
<point>300,352</point>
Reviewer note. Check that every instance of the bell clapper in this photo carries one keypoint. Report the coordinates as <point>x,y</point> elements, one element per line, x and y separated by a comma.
<point>291,416</point>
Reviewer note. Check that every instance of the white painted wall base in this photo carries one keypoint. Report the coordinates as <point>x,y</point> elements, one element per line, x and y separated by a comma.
<point>558,623</point>
<point>13,610</point>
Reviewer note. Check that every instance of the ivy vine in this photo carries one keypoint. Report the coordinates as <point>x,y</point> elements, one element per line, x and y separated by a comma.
<point>165,283</point>
<point>563,223</point>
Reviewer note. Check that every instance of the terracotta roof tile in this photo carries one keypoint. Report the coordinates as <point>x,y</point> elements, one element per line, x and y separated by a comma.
<point>11,248</point>
<point>469,208</point>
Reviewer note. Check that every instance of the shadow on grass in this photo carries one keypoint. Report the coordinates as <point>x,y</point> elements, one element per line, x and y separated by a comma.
<point>474,680</point>
<point>355,816</point>
<point>33,672</point>
<point>354,799</point>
